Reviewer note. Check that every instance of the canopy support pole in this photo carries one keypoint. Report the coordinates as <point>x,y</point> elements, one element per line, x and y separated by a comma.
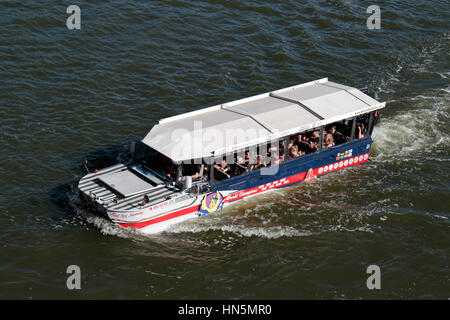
<point>273,95</point>
<point>244,113</point>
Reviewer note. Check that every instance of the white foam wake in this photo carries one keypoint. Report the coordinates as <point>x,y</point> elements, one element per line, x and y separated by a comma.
<point>422,129</point>
<point>268,232</point>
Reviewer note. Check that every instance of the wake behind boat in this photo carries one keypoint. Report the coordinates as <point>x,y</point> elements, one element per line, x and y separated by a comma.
<point>193,164</point>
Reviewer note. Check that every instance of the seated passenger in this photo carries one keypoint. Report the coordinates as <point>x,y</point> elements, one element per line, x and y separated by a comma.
<point>243,159</point>
<point>271,149</point>
<point>196,171</point>
<point>298,139</point>
<point>205,172</point>
<point>236,170</point>
<point>291,143</point>
<point>315,137</point>
<point>239,167</point>
<point>293,152</point>
<point>192,170</point>
<point>280,159</point>
<point>168,167</point>
<point>282,145</point>
<point>362,132</point>
<point>313,147</point>
<point>328,141</point>
<point>312,142</point>
<point>275,153</point>
<point>302,144</point>
<point>222,171</point>
<point>259,163</point>
<point>224,167</point>
<point>240,160</point>
<point>337,136</point>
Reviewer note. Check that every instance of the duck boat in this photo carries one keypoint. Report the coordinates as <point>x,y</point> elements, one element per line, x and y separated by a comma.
<point>196,163</point>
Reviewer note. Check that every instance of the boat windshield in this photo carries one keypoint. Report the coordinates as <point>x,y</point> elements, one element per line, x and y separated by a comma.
<point>159,164</point>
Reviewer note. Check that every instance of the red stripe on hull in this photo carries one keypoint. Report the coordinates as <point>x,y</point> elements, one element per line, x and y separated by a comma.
<point>265,187</point>
<point>169,216</point>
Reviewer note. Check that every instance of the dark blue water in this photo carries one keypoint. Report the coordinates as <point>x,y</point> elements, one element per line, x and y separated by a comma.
<point>69,94</point>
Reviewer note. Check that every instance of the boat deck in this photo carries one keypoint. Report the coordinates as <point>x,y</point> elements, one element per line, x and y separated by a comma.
<point>92,185</point>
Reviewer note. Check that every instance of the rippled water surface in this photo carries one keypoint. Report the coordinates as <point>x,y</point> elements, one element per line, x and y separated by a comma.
<point>68,94</point>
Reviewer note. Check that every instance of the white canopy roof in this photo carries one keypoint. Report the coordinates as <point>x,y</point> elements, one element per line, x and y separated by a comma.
<point>266,117</point>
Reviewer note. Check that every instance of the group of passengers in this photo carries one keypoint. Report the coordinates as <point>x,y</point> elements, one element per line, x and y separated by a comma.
<point>303,143</point>
<point>299,145</point>
<point>241,165</point>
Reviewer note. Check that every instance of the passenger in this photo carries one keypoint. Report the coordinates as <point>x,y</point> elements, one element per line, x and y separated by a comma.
<point>362,133</point>
<point>282,146</point>
<point>236,171</point>
<point>302,144</point>
<point>337,136</point>
<point>239,167</point>
<point>224,167</point>
<point>293,152</point>
<point>272,150</point>
<point>259,163</point>
<point>312,142</point>
<point>240,160</point>
<point>246,158</point>
<point>313,147</point>
<point>192,170</point>
<point>197,169</point>
<point>315,137</point>
<point>291,143</point>
<point>280,159</point>
<point>168,167</point>
<point>298,138</point>
<point>276,153</point>
<point>205,172</point>
<point>328,141</point>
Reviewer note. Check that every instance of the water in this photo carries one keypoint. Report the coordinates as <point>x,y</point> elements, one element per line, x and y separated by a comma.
<point>66,95</point>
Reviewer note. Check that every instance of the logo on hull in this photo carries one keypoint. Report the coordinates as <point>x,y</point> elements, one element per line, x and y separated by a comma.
<point>211,203</point>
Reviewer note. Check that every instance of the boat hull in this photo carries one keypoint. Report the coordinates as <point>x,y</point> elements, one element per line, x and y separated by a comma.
<point>158,218</point>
